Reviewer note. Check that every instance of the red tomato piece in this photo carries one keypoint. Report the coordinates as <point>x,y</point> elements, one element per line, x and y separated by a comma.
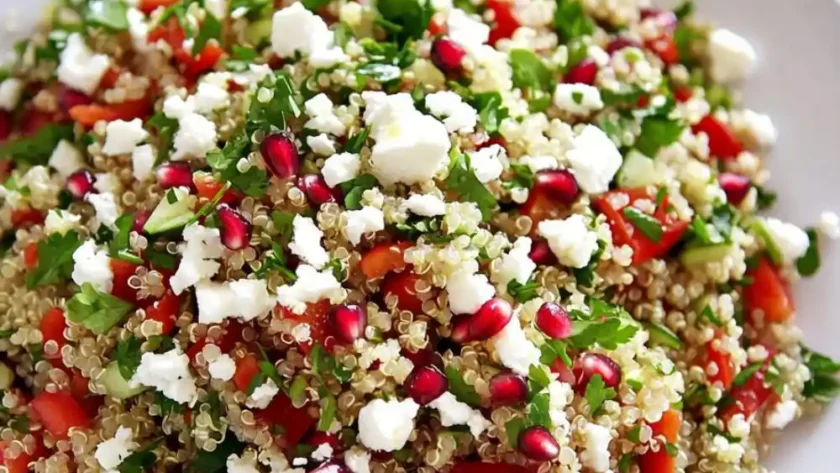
<point>660,461</point>
<point>683,94</point>
<point>232,334</point>
<point>540,206</point>
<point>295,422</point>
<point>165,311</point>
<point>749,397</point>
<point>59,412</point>
<point>726,371</point>
<point>505,22</point>
<point>110,78</point>
<point>624,233</point>
<point>479,467</point>
<point>316,316</point>
<point>769,292</point>
<point>52,328</point>
<point>25,218</point>
<point>664,47</point>
<point>148,6</point>
<point>384,258</point>
<point>437,25</point>
<point>88,115</point>
<point>30,255</point>
<point>402,285</point>
<point>205,60</point>
<point>123,270</point>
<point>246,368</point>
<point>20,464</point>
<point>206,188</point>
<point>723,144</point>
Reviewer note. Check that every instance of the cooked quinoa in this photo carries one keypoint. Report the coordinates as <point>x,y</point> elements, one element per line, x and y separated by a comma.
<point>462,236</point>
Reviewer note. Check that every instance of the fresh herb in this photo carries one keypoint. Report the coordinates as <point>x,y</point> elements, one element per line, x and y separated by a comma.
<point>356,142</point>
<point>746,374</point>
<point>491,112</point>
<point>276,261</point>
<point>160,259</point>
<point>823,385</point>
<point>658,131</point>
<point>538,379</point>
<point>765,198</point>
<point>577,97</point>
<point>597,392</point>
<point>417,227</point>
<point>127,356</point>
<point>216,461</point>
<point>585,276</point>
<point>672,450</point>
<point>462,180</point>
<point>55,260</point>
<point>267,371</point>
<point>20,424</point>
<point>649,226</point>
<point>634,435</point>
<point>622,97</point>
<point>626,462</point>
<point>325,364</point>
<point>253,182</point>
<point>297,391</point>
<point>571,21</point>
<point>380,72</point>
<point>167,406</point>
<point>354,188</point>
<point>635,384</point>
<point>315,4</point>
<point>553,349</point>
<point>211,28</point>
<point>109,14</point>
<point>684,10</point>
<point>337,268</point>
<point>606,324</point>
<point>709,314</point>
<point>272,114</point>
<point>685,36</point>
<point>4,334</point>
<point>538,411</point>
<point>36,149</point>
<point>462,391</point>
<point>36,351</point>
<point>513,429</point>
<point>240,58</point>
<point>809,263</point>
<point>662,335</point>
<point>577,52</point>
<point>7,240</point>
<point>327,413</point>
<point>529,72</point>
<point>141,460</point>
<point>523,177</point>
<point>522,292</point>
<point>164,127</point>
<point>411,16</point>
<point>121,239</point>
<point>97,311</point>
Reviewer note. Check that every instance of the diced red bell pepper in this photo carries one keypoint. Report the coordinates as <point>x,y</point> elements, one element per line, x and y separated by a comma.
<point>749,397</point>
<point>30,255</point>
<point>206,188</point>
<point>246,368</point>
<point>384,258</point>
<point>316,316</point>
<point>80,390</point>
<point>110,78</point>
<point>25,218</point>
<point>725,369</point>
<point>205,60</point>
<point>769,292</point>
<point>148,6</point>
<point>540,206</point>
<point>52,328</point>
<point>123,270</point>
<point>437,25</point>
<point>479,467</point>
<point>20,464</point>
<point>231,335</point>
<point>295,422</point>
<point>402,285</point>
<point>723,144</point>
<point>165,311</point>
<point>59,412</point>
<point>664,47</point>
<point>505,22</point>
<point>660,461</point>
<point>683,94</point>
<point>624,233</point>
<point>88,115</point>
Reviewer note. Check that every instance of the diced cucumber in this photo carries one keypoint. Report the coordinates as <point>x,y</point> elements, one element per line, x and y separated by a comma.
<point>258,30</point>
<point>173,211</point>
<point>704,254</point>
<point>637,171</point>
<point>116,385</point>
<point>759,227</point>
<point>662,335</point>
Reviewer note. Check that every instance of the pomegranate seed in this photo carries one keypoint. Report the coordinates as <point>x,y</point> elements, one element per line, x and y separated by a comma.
<point>541,253</point>
<point>80,183</point>
<point>508,388</point>
<point>317,191</point>
<point>447,55</point>
<point>317,438</point>
<point>331,467</point>
<point>563,371</point>
<point>5,125</point>
<point>425,384</point>
<point>588,365</point>
<point>69,98</point>
<point>618,44</point>
<point>423,357</point>
<point>234,229</point>
<point>583,73</point>
<point>281,155</point>
<point>554,321</point>
<point>490,319</point>
<point>537,443</point>
<point>174,174</point>
<point>460,329</point>
<point>665,19</point>
<point>140,219</point>
<point>735,186</point>
<point>560,184</point>
<point>348,321</point>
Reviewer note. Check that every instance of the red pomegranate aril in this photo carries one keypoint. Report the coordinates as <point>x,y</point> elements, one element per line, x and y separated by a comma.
<point>665,19</point>
<point>140,219</point>
<point>490,319</point>
<point>537,443</point>
<point>620,43</point>
<point>554,321</point>
<point>317,191</point>
<point>281,155</point>
<point>425,384</point>
<point>541,253</point>
<point>80,183</point>
<point>563,371</point>
<point>234,229</point>
<point>583,73</point>
<point>318,438</point>
<point>507,389</point>
<point>5,125</point>
<point>735,186</point>
<point>174,174</point>
<point>460,329</point>
<point>348,322</point>
<point>588,365</point>
<point>447,55</point>
<point>559,184</point>
<point>69,98</point>
<point>331,467</point>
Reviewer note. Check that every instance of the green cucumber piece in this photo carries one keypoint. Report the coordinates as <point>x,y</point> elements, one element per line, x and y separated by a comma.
<point>759,227</point>
<point>662,335</point>
<point>704,254</point>
<point>637,171</point>
<point>116,385</point>
<point>171,213</point>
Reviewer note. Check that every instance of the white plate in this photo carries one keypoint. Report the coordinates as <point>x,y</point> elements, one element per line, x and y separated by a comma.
<point>798,84</point>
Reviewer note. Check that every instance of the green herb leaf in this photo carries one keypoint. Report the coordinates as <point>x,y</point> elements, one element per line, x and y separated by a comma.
<point>141,460</point>
<point>538,411</point>
<point>571,21</point>
<point>354,188</point>
<point>253,182</point>
<point>216,461</point>
<point>709,314</point>
<point>658,132</point>
<point>585,276</point>
<point>462,180</point>
<point>327,413</point>
<point>462,391</point>
<point>818,363</point>
<point>608,333</point>
<point>380,72</point>
<point>513,428</point>
<point>529,72</point>
<point>523,292</point>
<point>809,263</point>
<point>36,149</point>
<point>649,226</point>
<point>634,434</point>
<point>55,260</point>
<point>165,128</point>
<point>411,16</point>
<point>553,349</point>
<point>211,28</point>
<point>127,357</point>
<point>167,406</point>
<point>240,58</point>
<point>662,335</point>
<point>491,112</point>
<point>356,142</point>
<point>746,374</point>
<point>538,379</point>
<point>109,14</point>
<point>765,198</point>
<point>20,424</point>
<point>265,115</point>
<point>597,392</point>
<point>684,10</point>
<point>97,311</point>
<point>685,36</point>
<point>523,177</point>
<point>630,97</point>
<point>626,462</point>
<point>160,259</point>
<point>120,240</point>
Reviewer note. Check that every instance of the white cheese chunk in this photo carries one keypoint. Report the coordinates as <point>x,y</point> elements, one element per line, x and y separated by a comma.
<point>321,144</point>
<point>465,30</point>
<point>515,350</point>
<point>311,286</point>
<point>594,160</point>
<point>60,221</point>
<point>210,97</point>
<point>340,168</point>
<point>454,412</point>
<point>468,291</point>
<point>243,298</point>
<point>92,265</point>
<point>356,459</point>
<point>295,29</point>
<point>829,225</point>
<point>791,240</point>
<point>488,163</point>
<point>539,163</point>
<point>201,247</point>
<point>515,265</point>
<point>570,240</point>
<point>169,373</point>
<point>732,58</point>
<point>143,162</point>
<point>306,242</point>
<point>243,464</point>
<point>10,91</point>
<point>322,118</point>
<point>596,454</point>
<point>106,209</point>
<point>457,116</point>
<point>111,453</point>
<point>365,220</point>
<point>79,68</point>
<point>121,137</point>
<point>196,136</point>
<point>782,414</point>
<point>425,205</point>
<point>223,367</point>
<point>761,128</point>
<point>386,425</point>
<point>262,395</point>
<point>66,158</point>
<point>323,452</point>
<point>578,99</point>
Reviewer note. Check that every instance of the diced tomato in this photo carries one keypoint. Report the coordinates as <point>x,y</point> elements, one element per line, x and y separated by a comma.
<point>315,316</point>
<point>295,422</point>
<point>52,328</point>
<point>540,206</point>
<point>725,368</point>
<point>148,6</point>
<point>88,115</point>
<point>479,467</point>
<point>20,464</point>
<point>25,218</point>
<point>505,22</point>
<point>30,255</point>
<point>32,119</point>
<point>437,25</point>
<point>664,47</point>
<point>206,187</point>
<point>669,425</point>
<point>384,258</point>
<point>402,285</point>
<point>246,368</point>
<point>123,270</point>
<point>723,144</point>
<point>660,461</point>
<point>769,292</point>
<point>172,33</point>
<point>165,311</point>
<point>59,412</point>
<point>563,371</point>
<point>205,60</point>
<point>6,126</point>
<point>110,78</point>
<point>81,392</point>
<point>683,94</point>
<point>231,335</point>
<point>624,233</point>
<point>749,397</point>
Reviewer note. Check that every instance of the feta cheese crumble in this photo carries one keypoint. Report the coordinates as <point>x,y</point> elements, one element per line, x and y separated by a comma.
<point>594,160</point>
<point>223,367</point>
<point>570,240</point>
<point>121,137</point>
<point>760,128</point>
<point>829,225</point>
<point>306,242</point>
<point>245,298</point>
<point>457,116</point>
<point>425,205</point>
<point>92,265</point>
<point>782,414</point>
<point>454,412</point>
<point>488,163</point>
<point>357,460</point>
<point>731,57</point>
<point>386,425</point>
<point>295,29</point>
<point>10,91</point>
<point>262,395</point>
<point>112,452</point>
<point>365,220</point>
<point>79,68</point>
<point>311,286</point>
<point>322,118</point>
<point>60,221</point>
<point>201,246</point>
<point>106,209</point>
<point>243,464</point>
<point>791,240</point>
<point>596,454</point>
<point>168,373</point>
<point>578,99</point>
<point>468,291</point>
<point>66,159</point>
<point>340,168</point>
<point>514,349</point>
<point>143,162</point>
<point>515,265</point>
<point>323,452</point>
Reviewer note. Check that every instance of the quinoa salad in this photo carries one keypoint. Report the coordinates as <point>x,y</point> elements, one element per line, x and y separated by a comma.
<point>456,236</point>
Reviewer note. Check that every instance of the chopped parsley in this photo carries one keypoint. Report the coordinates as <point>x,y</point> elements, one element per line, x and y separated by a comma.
<point>276,261</point>
<point>596,393</point>
<point>491,112</point>
<point>824,384</point>
<point>356,142</point>
<point>141,460</point>
<point>36,149</point>
<point>658,131</point>
<point>746,374</point>
<point>462,180</point>
<point>164,127</point>
<point>354,188</point>
<point>405,19</point>
<point>216,461</point>
<point>523,177</point>
<point>109,14</point>
<point>529,71</point>
<point>571,21</point>
<point>127,356</point>
<point>606,324</point>
<point>253,182</point>
<point>265,115</point>
<point>211,28</point>
<point>809,263</point>
<point>97,311</point>
<point>551,350</point>
<point>649,226</point>
<point>522,292</point>
<point>55,260</point>
<point>462,391</point>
